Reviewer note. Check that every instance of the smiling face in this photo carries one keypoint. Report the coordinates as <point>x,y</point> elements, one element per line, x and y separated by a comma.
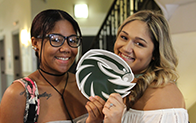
<point>135,46</point>
<point>58,59</point>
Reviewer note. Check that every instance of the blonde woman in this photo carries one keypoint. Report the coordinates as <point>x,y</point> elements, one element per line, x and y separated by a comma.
<point>144,42</point>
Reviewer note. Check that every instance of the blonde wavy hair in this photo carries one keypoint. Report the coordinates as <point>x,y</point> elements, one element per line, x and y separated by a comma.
<point>162,69</point>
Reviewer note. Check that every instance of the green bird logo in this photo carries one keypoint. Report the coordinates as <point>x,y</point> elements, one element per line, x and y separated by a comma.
<point>101,72</point>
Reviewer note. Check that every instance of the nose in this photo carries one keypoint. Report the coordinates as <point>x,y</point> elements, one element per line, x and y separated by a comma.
<point>65,47</point>
<point>129,46</point>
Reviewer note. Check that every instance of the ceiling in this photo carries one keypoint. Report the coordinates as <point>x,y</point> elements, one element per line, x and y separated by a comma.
<point>175,1</point>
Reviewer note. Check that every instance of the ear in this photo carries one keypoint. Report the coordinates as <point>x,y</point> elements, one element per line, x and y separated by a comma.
<point>153,58</point>
<point>35,43</point>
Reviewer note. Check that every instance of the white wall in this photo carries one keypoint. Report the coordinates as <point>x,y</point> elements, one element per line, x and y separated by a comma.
<point>185,46</point>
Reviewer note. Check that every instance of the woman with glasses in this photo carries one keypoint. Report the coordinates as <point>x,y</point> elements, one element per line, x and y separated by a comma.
<point>49,94</point>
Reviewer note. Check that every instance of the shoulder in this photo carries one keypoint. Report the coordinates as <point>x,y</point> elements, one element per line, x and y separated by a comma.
<point>15,90</point>
<point>165,97</point>
<point>13,98</point>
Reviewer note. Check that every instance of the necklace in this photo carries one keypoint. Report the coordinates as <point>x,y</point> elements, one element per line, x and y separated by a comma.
<point>52,73</point>
<point>61,94</point>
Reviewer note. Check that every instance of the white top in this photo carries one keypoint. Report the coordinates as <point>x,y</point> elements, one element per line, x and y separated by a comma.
<point>174,115</point>
<point>80,119</point>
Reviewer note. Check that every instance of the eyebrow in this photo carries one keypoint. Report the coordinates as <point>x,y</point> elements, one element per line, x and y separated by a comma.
<point>125,32</point>
<point>136,37</point>
<point>141,39</point>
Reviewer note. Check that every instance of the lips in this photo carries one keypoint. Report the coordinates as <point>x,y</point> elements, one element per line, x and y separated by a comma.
<point>126,57</point>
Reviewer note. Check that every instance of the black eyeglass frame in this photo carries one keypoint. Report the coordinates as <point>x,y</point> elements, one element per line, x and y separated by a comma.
<point>65,38</point>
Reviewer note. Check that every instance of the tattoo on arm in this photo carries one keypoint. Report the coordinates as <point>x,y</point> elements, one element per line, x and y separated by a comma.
<point>23,93</point>
<point>45,95</point>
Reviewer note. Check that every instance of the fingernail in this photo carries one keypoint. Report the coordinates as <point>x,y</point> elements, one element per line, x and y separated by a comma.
<point>90,98</point>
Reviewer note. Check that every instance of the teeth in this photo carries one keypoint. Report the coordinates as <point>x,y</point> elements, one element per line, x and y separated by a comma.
<point>62,58</point>
<point>125,56</point>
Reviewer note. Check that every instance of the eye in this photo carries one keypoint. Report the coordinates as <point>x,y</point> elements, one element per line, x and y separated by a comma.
<point>56,39</point>
<point>139,44</point>
<point>123,37</point>
<point>73,40</point>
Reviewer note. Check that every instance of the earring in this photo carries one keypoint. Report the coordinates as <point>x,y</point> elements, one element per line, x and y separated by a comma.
<point>35,48</point>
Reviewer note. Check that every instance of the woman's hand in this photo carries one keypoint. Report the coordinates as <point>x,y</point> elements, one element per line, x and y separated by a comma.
<point>114,109</point>
<point>94,108</point>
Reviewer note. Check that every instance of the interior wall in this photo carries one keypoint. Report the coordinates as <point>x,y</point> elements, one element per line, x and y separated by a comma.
<point>14,16</point>
<point>184,44</point>
<point>191,112</point>
<point>187,68</point>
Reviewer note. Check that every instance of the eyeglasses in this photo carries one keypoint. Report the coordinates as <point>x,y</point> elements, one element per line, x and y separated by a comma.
<point>57,40</point>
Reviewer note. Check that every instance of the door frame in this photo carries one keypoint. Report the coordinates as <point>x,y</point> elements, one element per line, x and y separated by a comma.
<point>3,80</point>
<point>17,58</point>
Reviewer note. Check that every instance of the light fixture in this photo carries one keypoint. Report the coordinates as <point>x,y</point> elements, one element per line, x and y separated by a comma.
<point>25,38</point>
<point>81,10</point>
